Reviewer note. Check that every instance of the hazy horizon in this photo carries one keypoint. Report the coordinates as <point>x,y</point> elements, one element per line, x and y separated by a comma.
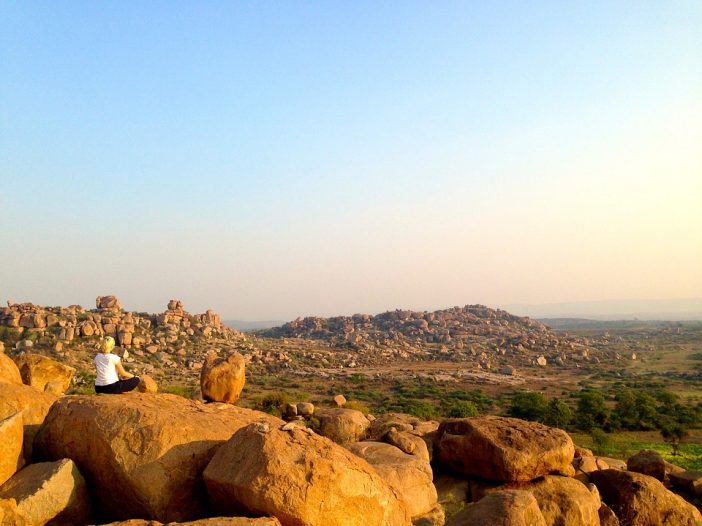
<point>278,160</point>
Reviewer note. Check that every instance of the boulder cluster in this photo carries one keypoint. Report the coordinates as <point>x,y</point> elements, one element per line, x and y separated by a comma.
<point>150,459</point>
<point>459,333</point>
<point>108,318</point>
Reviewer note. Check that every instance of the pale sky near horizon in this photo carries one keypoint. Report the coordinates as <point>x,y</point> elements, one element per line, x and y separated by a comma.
<point>276,159</point>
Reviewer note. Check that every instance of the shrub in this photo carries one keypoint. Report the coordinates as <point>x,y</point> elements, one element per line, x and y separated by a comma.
<point>601,441</point>
<point>558,414</point>
<point>461,409</point>
<point>358,406</point>
<point>528,405</point>
<point>273,403</point>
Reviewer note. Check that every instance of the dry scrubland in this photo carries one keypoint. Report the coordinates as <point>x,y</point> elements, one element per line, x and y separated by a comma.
<point>616,387</point>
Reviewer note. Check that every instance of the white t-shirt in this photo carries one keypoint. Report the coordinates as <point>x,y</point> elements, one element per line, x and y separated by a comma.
<point>106,371</point>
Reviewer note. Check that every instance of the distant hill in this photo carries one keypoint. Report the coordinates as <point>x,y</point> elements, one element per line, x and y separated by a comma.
<point>614,310</point>
<point>252,325</point>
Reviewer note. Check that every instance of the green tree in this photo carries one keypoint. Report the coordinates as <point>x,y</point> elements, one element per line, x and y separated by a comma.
<point>591,412</point>
<point>528,405</point>
<point>462,409</point>
<point>558,414</point>
<point>635,410</point>
<point>674,433</point>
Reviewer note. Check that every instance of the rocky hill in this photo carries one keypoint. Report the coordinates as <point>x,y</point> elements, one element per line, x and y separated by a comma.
<point>458,333</point>
<point>172,341</point>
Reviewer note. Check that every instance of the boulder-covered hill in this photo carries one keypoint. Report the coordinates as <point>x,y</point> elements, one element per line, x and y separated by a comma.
<point>468,330</point>
<point>166,344</point>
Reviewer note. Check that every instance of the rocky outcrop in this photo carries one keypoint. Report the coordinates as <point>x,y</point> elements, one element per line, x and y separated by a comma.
<point>565,501</point>
<point>300,478</point>
<point>142,453</point>
<point>503,449</point>
<point>11,439</point>
<point>50,493</point>
<point>458,327</point>
<point>37,371</point>
<point>9,372</point>
<point>222,379</point>
<point>10,515</point>
<point>215,521</point>
<point>502,508</point>
<point>343,426</point>
<point>409,475</point>
<point>640,500</point>
<point>648,462</point>
<point>31,403</point>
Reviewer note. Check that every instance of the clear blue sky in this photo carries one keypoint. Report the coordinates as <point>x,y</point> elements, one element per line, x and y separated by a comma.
<point>270,159</point>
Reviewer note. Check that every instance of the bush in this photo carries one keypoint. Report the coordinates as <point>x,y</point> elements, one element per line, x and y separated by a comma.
<point>462,409</point>
<point>358,406</point>
<point>273,403</point>
<point>601,441</point>
<point>592,412</point>
<point>558,414</point>
<point>528,406</point>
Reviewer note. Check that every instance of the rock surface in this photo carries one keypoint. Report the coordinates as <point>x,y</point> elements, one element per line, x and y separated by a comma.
<point>147,384</point>
<point>409,475</point>
<point>648,462</point>
<point>31,403</point>
<point>50,492</point>
<point>502,508</point>
<point>8,370</point>
<point>343,426</point>
<point>565,501</point>
<point>503,449</point>
<point>11,439</point>
<point>300,478</point>
<point>142,453</point>
<point>37,371</point>
<point>640,500</point>
<point>222,379</point>
<point>10,515</point>
<point>215,521</point>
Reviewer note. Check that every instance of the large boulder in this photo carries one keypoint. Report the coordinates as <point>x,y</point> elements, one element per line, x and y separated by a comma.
<point>142,453</point>
<point>8,370</point>
<point>32,404</point>
<point>647,462</point>
<point>38,370</point>
<point>503,449</point>
<point>301,478</point>
<point>343,426</point>
<point>501,508</point>
<point>10,515</point>
<point>222,379</point>
<point>50,492</point>
<point>409,475</point>
<point>11,438</point>
<point>214,521</point>
<point>640,500</point>
<point>565,501</point>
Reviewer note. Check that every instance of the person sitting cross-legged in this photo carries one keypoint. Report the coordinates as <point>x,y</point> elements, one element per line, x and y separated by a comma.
<point>110,370</point>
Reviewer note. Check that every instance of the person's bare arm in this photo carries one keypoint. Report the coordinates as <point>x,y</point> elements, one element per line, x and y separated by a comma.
<point>123,374</point>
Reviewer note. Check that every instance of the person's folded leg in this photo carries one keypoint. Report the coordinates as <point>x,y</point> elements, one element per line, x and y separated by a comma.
<point>128,385</point>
